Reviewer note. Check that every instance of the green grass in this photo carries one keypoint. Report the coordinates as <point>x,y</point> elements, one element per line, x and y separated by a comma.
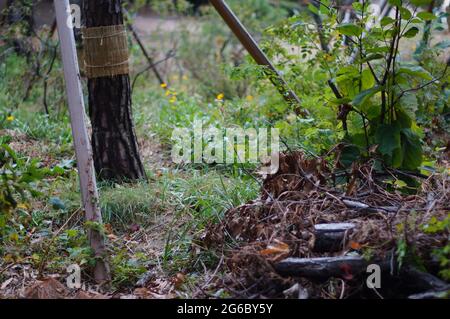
<point>123,205</point>
<point>180,203</point>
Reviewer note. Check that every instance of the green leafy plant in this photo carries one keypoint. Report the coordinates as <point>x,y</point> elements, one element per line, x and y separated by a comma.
<point>17,185</point>
<point>435,226</point>
<point>355,70</point>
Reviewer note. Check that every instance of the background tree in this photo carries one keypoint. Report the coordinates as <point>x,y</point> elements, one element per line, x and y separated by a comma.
<point>116,155</point>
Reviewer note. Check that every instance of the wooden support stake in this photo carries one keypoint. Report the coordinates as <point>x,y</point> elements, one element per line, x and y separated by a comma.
<point>258,55</point>
<point>82,144</point>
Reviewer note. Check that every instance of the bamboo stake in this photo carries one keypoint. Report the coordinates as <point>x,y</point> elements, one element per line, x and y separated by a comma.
<point>258,55</point>
<point>83,150</point>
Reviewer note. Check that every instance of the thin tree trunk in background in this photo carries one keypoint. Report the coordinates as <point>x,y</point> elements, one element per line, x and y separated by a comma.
<point>116,155</point>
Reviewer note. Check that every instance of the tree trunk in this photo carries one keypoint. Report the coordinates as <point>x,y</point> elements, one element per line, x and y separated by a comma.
<point>116,155</point>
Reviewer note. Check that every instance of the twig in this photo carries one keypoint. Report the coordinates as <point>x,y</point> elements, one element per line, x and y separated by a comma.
<point>169,55</point>
<point>423,85</point>
<point>52,62</point>
<point>152,64</point>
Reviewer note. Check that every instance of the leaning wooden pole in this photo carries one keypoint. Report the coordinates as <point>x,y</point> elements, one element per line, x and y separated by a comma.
<point>83,150</point>
<point>257,54</point>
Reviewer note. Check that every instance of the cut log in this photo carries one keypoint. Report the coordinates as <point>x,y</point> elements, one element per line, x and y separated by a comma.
<point>331,237</point>
<point>323,267</point>
<point>347,267</point>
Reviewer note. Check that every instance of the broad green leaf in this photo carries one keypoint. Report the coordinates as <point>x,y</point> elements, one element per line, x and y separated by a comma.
<point>367,79</point>
<point>415,70</point>
<point>412,149</point>
<point>381,49</point>
<point>444,44</point>
<point>409,105</point>
<point>350,29</point>
<point>359,139</point>
<point>397,158</point>
<point>313,8</point>
<point>341,101</point>
<point>371,57</point>
<point>416,20</point>
<point>404,119</point>
<point>323,9</point>
<point>362,97</point>
<point>392,32</point>
<point>411,33</point>
<point>372,111</point>
<point>349,154</point>
<point>419,3</point>
<point>406,14</point>
<point>386,21</point>
<point>350,69</point>
<point>397,3</point>
<point>388,138</point>
<point>427,16</point>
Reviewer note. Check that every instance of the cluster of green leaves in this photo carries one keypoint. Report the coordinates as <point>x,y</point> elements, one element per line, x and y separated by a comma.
<point>17,185</point>
<point>24,181</point>
<point>380,95</point>
<point>382,88</point>
<point>435,226</point>
<point>126,269</point>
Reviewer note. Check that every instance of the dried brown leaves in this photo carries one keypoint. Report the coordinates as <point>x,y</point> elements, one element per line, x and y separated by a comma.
<point>281,223</point>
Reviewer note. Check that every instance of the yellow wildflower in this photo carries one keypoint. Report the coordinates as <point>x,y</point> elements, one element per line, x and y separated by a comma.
<point>220,97</point>
<point>23,206</point>
<point>9,258</point>
<point>173,99</point>
<point>163,85</point>
<point>10,118</point>
<point>249,98</point>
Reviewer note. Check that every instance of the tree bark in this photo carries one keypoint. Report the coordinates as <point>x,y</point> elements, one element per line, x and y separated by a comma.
<point>116,154</point>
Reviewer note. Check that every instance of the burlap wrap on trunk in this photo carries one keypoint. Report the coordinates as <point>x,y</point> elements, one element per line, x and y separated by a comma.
<point>105,51</point>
